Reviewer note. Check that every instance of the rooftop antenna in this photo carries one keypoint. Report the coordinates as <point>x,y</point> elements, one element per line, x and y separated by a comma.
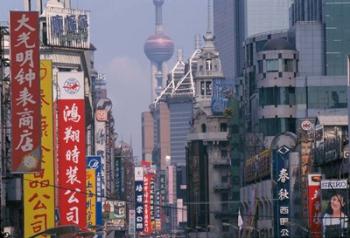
<point>209,36</point>
<point>210,17</point>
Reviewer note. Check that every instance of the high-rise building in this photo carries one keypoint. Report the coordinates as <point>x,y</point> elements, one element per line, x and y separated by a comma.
<point>334,18</point>
<point>235,20</point>
<point>229,33</point>
<point>265,15</point>
<point>159,48</point>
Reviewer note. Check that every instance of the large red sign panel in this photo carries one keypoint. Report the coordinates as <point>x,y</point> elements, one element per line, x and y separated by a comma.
<point>71,149</point>
<point>25,91</point>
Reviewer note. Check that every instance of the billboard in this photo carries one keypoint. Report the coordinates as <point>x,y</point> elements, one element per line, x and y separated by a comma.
<point>258,166</point>
<point>38,189</point>
<point>328,144</point>
<point>25,92</point>
<point>222,91</point>
<point>281,191</point>
<point>335,214</point>
<point>91,198</point>
<point>94,162</point>
<point>71,149</point>
<point>314,204</point>
<point>139,217</point>
<point>68,27</point>
<point>115,214</point>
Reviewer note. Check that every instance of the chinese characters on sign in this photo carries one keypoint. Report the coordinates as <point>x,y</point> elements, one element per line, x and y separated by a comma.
<point>38,189</point>
<point>25,91</point>
<point>68,28</point>
<point>91,197</point>
<point>139,203</point>
<point>71,149</point>
<point>281,191</point>
<point>94,162</point>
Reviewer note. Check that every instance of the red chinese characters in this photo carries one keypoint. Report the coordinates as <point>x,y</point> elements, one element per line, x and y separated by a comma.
<point>25,89</point>
<point>72,175</point>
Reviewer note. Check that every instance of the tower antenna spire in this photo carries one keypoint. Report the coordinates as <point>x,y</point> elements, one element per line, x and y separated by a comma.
<point>210,16</point>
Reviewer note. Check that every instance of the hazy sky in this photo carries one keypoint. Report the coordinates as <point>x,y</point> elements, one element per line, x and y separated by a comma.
<point>119,29</point>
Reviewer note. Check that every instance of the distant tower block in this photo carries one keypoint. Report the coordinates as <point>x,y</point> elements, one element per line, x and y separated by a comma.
<point>158,48</point>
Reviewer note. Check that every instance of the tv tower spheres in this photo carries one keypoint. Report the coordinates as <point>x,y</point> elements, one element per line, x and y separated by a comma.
<point>158,48</point>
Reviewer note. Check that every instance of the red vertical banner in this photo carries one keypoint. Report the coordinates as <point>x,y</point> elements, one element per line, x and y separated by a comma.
<point>71,149</point>
<point>147,203</point>
<point>25,92</point>
<point>314,205</point>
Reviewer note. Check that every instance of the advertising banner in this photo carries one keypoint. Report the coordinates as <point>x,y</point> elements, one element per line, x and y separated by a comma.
<point>222,91</point>
<point>147,203</point>
<point>71,149</point>
<point>139,217</point>
<point>335,214</point>
<point>68,27</point>
<point>91,197</point>
<point>115,215</point>
<point>100,148</point>
<point>306,137</point>
<point>38,188</point>
<point>94,162</point>
<point>314,198</point>
<point>281,190</point>
<point>25,92</point>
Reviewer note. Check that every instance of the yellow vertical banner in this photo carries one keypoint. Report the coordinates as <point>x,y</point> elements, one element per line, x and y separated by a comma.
<point>91,197</point>
<point>38,188</point>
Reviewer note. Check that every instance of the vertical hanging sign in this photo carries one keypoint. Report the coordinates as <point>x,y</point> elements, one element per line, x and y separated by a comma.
<point>314,204</point>
<point>94,162</point>
<point>71,149</point>
<point>139,191</point>
<point>38,188</point>
<point>281,191</point>
<point>25,92</point>
<point>91,197</point>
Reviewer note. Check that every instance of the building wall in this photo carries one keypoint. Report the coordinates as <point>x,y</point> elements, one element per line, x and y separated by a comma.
<point>258,17</point>
<point>229,32</point>
<point>180,118</point>
<point>147,136</point>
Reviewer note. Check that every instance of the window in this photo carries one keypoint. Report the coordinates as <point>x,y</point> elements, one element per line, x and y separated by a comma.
<point>202,88</point>
<point>260,67</point>
<point>208,65</point>
<point>272,65</point>
<point>223,127</point>
<point>208,88</point>
<point>204,128</point>
<point>288,65</point>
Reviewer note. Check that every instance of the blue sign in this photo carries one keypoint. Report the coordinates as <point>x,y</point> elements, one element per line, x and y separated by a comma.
<point>222,91</point>
<point>139,213</point>
<point>94,162</point>
<point>281,191</point>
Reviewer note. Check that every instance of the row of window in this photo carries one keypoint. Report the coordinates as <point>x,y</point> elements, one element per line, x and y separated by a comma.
<point>277,65</point>
<point>317,97</point>
<point>277,96</point>
<point>274,126</point>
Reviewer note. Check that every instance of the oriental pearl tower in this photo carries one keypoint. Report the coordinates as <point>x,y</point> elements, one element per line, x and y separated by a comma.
<point>158,48</point>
